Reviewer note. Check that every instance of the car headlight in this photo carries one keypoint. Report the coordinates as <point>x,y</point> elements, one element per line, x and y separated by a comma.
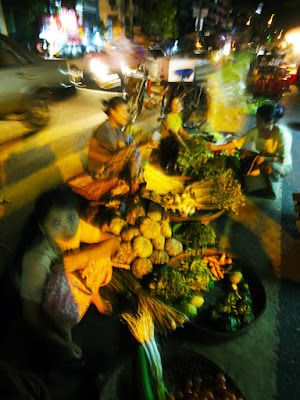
<point>98,68</point>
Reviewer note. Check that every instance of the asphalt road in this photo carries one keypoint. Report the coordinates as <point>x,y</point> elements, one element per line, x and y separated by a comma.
<point>58,151</point>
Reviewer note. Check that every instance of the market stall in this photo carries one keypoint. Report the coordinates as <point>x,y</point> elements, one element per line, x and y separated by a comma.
<point>174,271</point>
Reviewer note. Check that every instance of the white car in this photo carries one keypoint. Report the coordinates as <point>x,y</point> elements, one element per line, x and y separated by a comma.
<point>27,82</point>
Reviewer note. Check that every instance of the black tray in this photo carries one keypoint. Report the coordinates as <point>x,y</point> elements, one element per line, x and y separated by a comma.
<point>203,322</point>
<point>178,365</point>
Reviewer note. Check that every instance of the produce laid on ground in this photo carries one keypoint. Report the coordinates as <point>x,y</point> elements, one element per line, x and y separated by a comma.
<point>222,192</point>
<point>205,387</point>
<point>173,270</point>
<point>172,274</point>
<point>146,238</point>
<point>194,236</point>
<point>200,163</point>
<point>235,309</point>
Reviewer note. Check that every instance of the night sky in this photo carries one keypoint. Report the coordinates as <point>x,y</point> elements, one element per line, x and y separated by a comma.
<point>287,12</point>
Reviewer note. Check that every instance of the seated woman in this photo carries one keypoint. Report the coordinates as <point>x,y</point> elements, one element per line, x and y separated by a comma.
<point>60,277</point>
<point>171,136</point>
<point>112,153</point>
<point>266,151</point>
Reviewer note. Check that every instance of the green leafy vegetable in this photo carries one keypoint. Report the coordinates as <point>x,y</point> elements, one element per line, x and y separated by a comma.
<point>194,235</point>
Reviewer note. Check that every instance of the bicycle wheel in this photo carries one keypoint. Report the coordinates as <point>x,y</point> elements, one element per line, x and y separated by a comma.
<point>195,106</point>
<point>135,105</point>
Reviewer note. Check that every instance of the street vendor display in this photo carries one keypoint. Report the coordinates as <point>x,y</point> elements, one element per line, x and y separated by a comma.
<point>172,271</point>
<point>211,185</point>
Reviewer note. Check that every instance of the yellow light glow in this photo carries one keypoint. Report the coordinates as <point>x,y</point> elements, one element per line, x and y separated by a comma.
<point>198,44</point>
<point>271,19</point>
<point>98,68</point>
<point>293,37</point>
<point>280,34</point>
<point>249,21</point>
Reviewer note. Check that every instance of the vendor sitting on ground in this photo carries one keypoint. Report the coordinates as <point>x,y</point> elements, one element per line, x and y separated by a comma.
<point>112,153</point>
<point>65,261</point>
<point>266,149</point>
<point>171,135</point>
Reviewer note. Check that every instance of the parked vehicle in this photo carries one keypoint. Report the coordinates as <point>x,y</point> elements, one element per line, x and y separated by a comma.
<point>27,82</point>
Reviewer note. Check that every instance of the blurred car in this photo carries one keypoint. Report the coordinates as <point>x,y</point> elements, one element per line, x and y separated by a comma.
<point>27,82</point>
<point>106,68</point>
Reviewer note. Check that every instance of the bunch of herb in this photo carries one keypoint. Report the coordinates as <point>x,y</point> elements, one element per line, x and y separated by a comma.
<point>227,193</point>
<point>188,163</point>
<point>200,164</point>
<point>218,164</point>
<point>172,284</point>
<point>194,235</point>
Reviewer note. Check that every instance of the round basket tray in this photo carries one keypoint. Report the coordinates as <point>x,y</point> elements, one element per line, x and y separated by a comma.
<point>205,218</point>
<point>203,322</point>
<point>179,365</point>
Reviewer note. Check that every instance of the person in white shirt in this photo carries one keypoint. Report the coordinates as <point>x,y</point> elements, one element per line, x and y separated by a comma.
<point>270,146</point>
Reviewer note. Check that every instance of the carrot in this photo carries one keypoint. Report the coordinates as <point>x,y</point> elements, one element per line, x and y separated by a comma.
<point>220,273</point>
<point>222,259</point>
<point>214,272</point>
<point>212,258</point>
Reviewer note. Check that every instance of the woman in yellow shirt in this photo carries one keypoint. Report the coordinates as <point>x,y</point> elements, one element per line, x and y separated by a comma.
<point>266,147</point>
<point>172,134</point>
<point>60,278</point>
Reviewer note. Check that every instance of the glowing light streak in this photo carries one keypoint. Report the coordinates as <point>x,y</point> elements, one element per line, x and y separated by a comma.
<point>271,19</point>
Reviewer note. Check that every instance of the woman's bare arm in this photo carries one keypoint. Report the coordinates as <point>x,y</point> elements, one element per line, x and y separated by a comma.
<point>102,250</point>
<point>185,134</point>
<point>221,147</point>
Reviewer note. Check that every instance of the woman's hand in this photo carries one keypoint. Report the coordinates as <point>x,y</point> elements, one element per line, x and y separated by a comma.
<point>153,144</point>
